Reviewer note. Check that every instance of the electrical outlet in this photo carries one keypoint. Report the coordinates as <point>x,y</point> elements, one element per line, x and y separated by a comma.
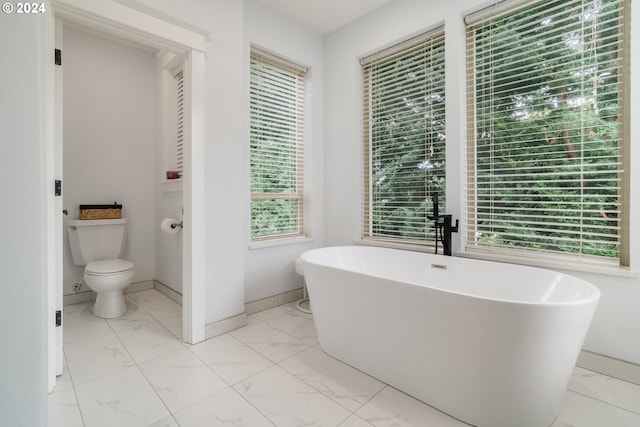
<point>77,287</point>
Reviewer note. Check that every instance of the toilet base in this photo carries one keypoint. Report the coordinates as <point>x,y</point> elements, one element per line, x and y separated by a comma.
<point>110,304</point>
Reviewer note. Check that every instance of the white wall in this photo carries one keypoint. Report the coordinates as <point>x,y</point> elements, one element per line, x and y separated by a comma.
<point>616,326</point>
<point>226,152</point>
<point>23,266</point>
<point>270,270</point>
<point>111,140</point>
<point>225,147</point>
<point>168,247</point>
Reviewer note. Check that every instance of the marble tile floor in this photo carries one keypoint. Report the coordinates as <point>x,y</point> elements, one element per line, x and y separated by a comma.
<point>136,371</point>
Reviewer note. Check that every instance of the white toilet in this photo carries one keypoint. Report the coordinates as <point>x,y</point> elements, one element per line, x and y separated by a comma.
<point>98,244</point>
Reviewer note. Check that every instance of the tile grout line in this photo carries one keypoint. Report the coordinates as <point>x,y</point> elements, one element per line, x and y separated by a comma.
<point>311,385</point>
<point>184,346</point>
<point>244,344</point>
<point>230,386</point>
<point>135,362</point>
<point>137,365</point>
<point>309,346</point>
<point>604,402</point>
<point>73,385</point>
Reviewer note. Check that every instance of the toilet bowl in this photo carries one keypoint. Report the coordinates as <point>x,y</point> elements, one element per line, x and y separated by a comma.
<point>107,279</point>
<point>99,246</point>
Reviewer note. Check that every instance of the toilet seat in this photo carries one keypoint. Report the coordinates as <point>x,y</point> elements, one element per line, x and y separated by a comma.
<point>108,267</point>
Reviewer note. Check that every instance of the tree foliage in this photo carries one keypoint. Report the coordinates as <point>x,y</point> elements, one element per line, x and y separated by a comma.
<point>275,150</point>
<point>406,118</point>
<point>547,128</point>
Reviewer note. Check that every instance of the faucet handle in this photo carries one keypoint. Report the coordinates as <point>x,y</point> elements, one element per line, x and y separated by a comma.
<point>448,219</point>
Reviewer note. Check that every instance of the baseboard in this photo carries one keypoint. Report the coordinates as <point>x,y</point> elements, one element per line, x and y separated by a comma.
<point>616,368</point>
<point>139,286</point>
<point>226,325</point>
<point>78,298</point>
<point>249,308</point>
<point>273,301</point>
<point>168,292</point>
<point>212,329</point>
<point>91,296</point>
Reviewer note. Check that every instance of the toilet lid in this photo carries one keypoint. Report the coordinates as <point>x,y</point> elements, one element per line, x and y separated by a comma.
<point>108,266</point>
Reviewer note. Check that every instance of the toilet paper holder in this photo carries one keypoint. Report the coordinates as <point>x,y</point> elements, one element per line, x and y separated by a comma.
<point>171,225</point>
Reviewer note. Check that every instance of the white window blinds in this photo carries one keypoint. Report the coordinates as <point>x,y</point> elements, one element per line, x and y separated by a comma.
<point>276,147</point>
<point>404,139</point>
<point>547,129</point>
<point>180,124</point>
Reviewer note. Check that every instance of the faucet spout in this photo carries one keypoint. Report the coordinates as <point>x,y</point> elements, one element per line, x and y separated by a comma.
<point>443,227</point>
<point>436,219</point>
<point>436,215</point>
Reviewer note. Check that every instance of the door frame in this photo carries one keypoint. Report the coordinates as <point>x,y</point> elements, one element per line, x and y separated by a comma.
<point>154,31</point>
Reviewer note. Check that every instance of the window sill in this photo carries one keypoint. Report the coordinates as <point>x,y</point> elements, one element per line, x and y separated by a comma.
<point>169,185</point>
<point>552,264</point>
<point>279,242</point>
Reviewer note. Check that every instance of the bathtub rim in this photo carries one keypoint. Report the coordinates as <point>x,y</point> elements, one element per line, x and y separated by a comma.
<point>544,260</point>
<point>594,290</point>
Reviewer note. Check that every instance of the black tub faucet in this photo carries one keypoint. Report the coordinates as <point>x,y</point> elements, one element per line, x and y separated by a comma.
<point>443,228</point>
<point>436,215</point>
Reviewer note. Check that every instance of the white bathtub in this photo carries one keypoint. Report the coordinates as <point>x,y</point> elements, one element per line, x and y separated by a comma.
<point>488,343</point>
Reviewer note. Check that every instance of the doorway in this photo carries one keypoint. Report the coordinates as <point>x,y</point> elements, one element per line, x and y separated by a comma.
<point>154,32</point>
<point>110,150</point>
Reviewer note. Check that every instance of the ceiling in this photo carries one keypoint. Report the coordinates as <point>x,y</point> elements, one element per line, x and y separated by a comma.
<point>323,16</point>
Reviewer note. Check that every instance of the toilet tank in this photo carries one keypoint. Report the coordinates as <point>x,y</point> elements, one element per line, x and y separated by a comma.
<point>96,239</point>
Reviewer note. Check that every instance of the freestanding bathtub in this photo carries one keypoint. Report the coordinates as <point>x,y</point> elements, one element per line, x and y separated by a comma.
<point>491,344</point>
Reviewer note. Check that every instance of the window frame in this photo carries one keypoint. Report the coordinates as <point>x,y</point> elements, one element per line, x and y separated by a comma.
<point>298,73</point>
<point>543,257</point>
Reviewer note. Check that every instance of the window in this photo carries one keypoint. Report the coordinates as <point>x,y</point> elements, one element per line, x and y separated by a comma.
<point>547,130</point>
<point>173,112</point>
<point>404,139</point>
<point>180,122</point>
<point>276,147</point>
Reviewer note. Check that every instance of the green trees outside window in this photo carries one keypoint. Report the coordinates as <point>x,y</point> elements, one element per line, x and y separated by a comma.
<point>546,129</point>
<point>276,147</point>
<point>404,146</point>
